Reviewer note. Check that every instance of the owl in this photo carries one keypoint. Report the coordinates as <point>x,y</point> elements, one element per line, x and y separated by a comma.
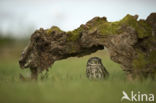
<point>95,69</point>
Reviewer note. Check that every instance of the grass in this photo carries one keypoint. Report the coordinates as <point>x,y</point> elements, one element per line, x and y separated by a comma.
<point>66,82</point>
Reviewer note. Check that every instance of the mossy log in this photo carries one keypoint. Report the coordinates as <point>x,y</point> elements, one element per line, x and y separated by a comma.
<point>130,42</point>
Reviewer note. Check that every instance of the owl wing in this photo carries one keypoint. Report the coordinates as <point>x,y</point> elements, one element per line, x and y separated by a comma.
<point>88,70</point>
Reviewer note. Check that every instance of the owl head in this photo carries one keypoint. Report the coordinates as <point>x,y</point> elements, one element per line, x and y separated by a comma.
<point>94,60</point>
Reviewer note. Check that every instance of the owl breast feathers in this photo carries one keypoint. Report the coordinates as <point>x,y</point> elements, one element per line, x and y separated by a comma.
<point>95,69</point>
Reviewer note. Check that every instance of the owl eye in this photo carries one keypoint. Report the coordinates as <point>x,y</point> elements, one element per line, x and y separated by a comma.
<point>92,62</point>
<point>96,62</point>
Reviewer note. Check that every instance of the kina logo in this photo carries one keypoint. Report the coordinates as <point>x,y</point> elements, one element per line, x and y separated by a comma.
<point>138,96</point>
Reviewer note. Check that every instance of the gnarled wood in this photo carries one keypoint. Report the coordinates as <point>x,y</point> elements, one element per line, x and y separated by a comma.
<point>130,42</point>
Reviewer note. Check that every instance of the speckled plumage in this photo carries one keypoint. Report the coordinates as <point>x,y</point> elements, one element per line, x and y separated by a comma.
<point>95,69</point>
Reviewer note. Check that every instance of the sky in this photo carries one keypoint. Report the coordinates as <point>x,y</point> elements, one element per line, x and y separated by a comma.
<point>21,17</point>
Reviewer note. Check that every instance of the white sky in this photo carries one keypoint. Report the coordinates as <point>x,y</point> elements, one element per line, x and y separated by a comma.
<point>19,16</point>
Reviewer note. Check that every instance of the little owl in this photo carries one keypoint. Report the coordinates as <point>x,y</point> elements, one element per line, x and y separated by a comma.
<point>95,69</point>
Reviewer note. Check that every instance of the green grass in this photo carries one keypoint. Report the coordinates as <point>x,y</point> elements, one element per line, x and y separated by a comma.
<point>67,83</point>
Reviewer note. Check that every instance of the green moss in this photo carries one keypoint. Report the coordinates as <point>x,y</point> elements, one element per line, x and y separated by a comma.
<point>142,28</point>
<point>108,28</point>
<point>152,57</point>
<point>75,34</point>
<point>53,29</point>
<point>145,64</point>
<point>102,26</point>
<point>112,28</point>
<point>140,62</point>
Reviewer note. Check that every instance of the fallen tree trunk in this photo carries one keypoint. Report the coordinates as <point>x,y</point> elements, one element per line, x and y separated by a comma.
<point>130,42</point>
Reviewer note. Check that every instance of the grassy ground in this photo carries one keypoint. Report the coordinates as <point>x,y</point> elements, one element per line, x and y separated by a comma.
<point>66,82</point>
